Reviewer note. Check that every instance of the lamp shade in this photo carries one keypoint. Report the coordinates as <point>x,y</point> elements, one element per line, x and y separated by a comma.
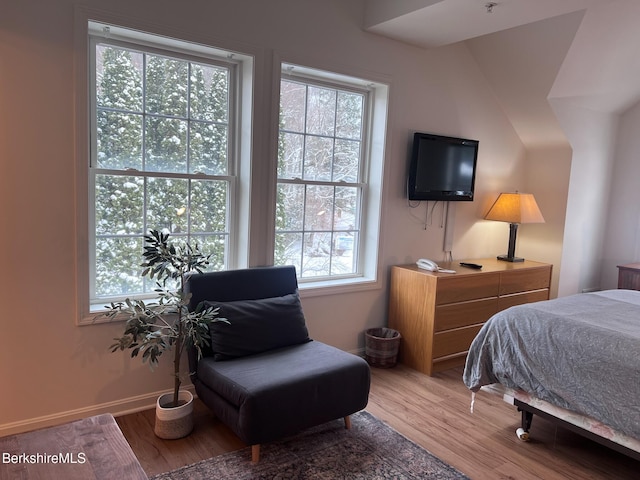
<point>515,208</point>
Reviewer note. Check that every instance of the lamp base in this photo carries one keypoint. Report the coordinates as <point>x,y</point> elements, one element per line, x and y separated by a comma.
<point>507,258</point>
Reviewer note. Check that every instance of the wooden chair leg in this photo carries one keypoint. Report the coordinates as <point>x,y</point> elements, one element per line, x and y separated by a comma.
<point>255,453</point>
<point>347,422</point>
<point>255,449</point>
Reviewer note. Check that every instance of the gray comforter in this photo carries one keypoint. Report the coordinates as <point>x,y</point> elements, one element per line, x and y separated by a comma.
<point>580,352</point>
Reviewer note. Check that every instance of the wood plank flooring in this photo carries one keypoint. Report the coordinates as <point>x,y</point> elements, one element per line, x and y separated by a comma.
<point>434,413</point>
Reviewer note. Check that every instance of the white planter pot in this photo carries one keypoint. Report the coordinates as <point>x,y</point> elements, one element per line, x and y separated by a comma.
<point>174,422</point>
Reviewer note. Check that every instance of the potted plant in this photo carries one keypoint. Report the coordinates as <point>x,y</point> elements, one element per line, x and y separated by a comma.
<point>153,327</point>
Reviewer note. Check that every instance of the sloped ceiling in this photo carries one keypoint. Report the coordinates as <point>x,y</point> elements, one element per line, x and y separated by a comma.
<point>522,64</point>
<point>433,23</point>
<point>602,68</point>
<point>586,51</point>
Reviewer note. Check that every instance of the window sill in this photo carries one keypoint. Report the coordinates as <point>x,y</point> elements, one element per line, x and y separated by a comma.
<point>307,290</point>
<point>334,287</point>
<point>94,315</point>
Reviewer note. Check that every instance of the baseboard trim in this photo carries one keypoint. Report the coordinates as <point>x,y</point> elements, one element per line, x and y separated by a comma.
<point>117,408</point>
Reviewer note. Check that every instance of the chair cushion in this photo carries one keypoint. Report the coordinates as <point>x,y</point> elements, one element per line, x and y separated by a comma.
<point>256,326</point>
<point>306,366</point>
<point>272,394</point>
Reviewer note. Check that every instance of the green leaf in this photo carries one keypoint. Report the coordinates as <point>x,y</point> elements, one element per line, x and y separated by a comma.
<point>151,328</point>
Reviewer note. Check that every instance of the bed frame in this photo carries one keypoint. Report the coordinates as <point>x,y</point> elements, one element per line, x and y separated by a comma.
<point>620,442</point>
<point>527,417</point>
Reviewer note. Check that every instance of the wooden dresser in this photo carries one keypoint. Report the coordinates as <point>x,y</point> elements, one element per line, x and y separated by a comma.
<point>439,314</point>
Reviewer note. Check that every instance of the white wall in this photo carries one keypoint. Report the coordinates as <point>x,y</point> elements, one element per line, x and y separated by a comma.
<point>622,232</point>
<point>592,136</point>
<point>52,370</point>
<point>548,171</point>
<point>597,81</point>
<point>521,65</point>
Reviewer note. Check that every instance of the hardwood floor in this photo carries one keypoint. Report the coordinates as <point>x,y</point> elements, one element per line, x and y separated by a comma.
<point>434,413</point>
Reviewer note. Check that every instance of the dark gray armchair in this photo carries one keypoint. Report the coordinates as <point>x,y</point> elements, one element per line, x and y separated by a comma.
<point>263,376</point>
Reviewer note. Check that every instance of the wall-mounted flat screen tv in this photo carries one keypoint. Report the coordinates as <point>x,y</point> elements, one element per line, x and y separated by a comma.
<point>442,168</point>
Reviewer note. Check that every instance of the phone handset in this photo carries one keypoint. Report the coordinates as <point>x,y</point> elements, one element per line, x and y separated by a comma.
<point>427,264</point>
<point>432,266</point>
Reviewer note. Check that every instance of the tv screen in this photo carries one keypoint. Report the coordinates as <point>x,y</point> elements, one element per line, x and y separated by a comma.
<point>442,168</point>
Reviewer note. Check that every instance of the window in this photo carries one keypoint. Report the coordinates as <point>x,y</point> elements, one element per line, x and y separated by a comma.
<point>170,130</point>
<point>326,195</point>
<point>162,157</point>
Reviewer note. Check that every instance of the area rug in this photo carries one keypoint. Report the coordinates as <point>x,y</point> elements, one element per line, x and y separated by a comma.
<point>369,450</point>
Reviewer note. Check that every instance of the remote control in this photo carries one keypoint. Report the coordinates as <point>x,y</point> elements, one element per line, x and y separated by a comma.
<point>475,266</point>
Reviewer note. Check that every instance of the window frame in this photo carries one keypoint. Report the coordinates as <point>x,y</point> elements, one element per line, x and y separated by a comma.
<point>359,184</point>
<point>97,302</point>
<point>371,175</point>
<point>89,31</point>
<point>259,73</point>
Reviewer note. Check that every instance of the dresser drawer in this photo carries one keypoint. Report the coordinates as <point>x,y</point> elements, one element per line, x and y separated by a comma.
<point>439,314</point>
<point>520,298</point>
<point>455,315</point>
<point>524,280</point>
<point>454,341</point>
<point>467,287</point>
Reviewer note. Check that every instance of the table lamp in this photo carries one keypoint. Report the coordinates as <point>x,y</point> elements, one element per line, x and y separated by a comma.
<point>514,208</point>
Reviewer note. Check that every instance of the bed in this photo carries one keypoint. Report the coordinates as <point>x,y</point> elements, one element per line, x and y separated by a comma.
<point>574,359</point>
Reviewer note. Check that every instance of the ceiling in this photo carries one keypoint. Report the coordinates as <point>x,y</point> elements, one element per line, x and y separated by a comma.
<point>586,52</point>
<point>433,23</point>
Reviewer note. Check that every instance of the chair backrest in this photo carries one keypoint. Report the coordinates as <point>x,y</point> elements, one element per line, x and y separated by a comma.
<point>232,285</point>
<point>245,284</point>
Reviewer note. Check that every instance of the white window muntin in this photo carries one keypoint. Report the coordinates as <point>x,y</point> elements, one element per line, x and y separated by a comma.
<point>229,178</point>
<point>334,232</point>
<point>340,83</point>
